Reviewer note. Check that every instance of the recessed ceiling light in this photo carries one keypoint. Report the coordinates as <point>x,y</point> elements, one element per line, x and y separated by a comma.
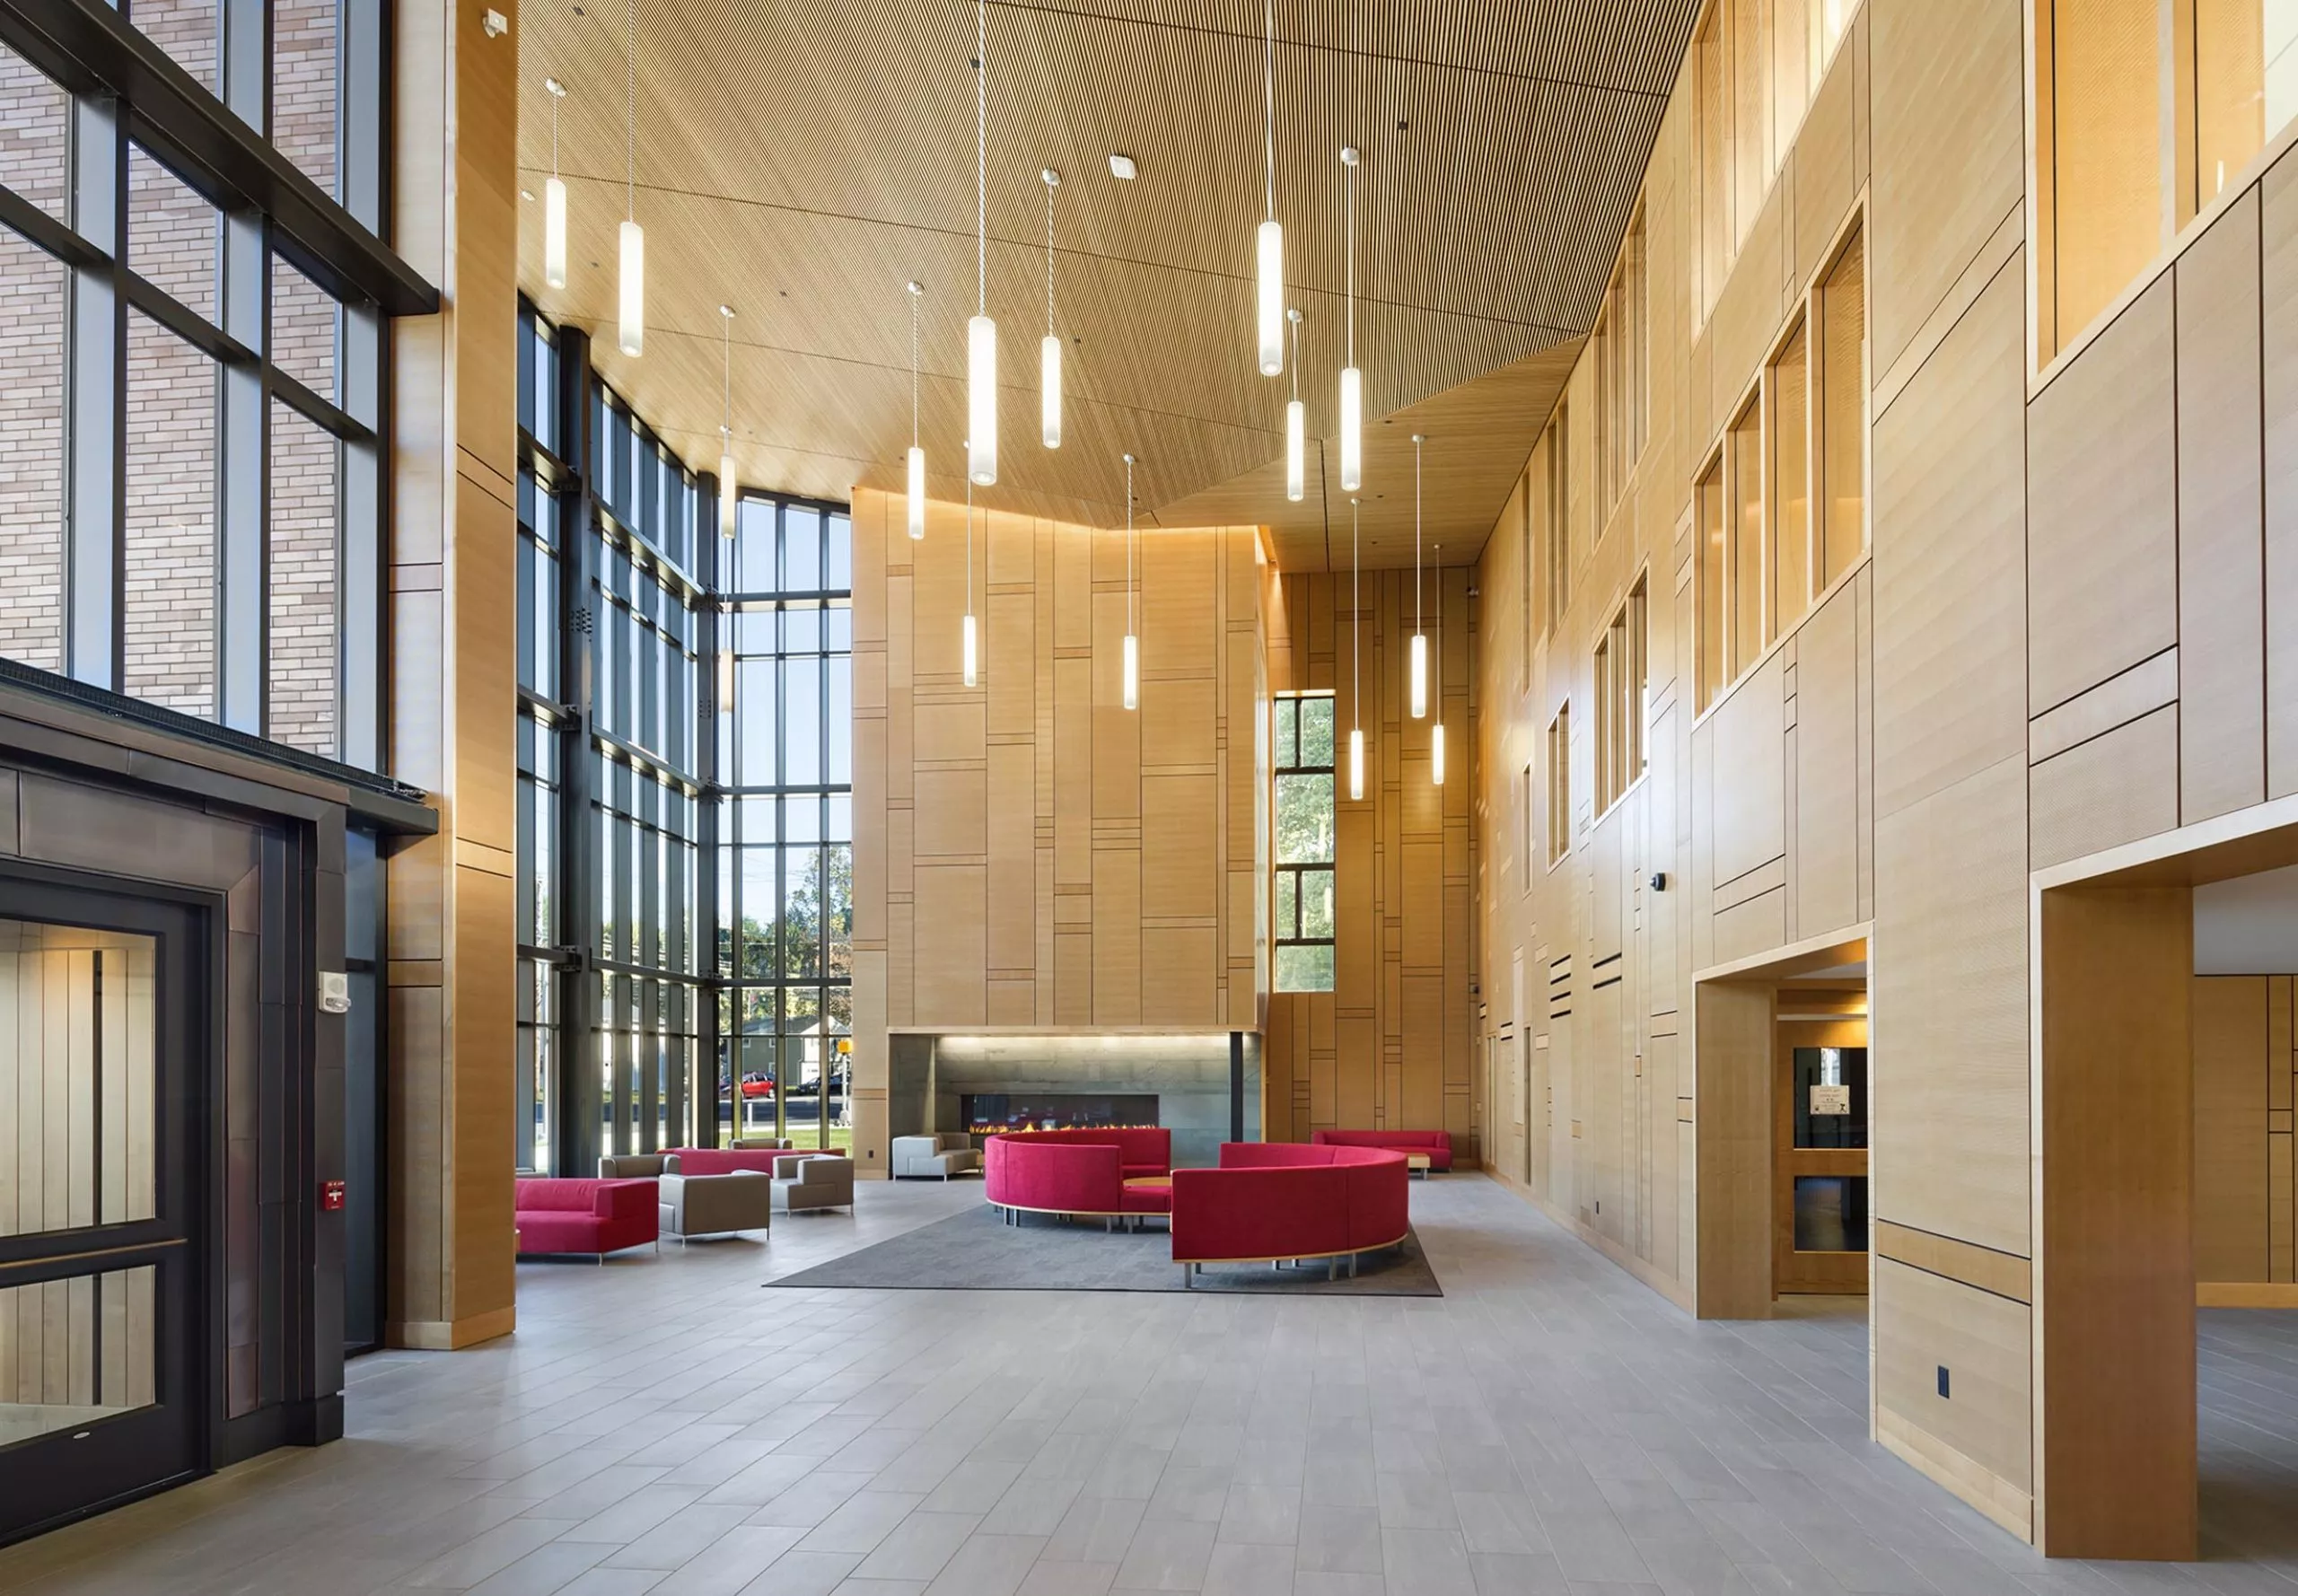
<point>528,195</point>
<point>1121,168</point>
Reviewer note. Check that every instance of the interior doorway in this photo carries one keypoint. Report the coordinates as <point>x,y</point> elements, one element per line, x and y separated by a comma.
<point>1820,1186</point>
<point>1780,1084</point>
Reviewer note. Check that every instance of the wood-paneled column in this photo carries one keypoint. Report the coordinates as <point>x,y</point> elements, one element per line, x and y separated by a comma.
<point>452,678</point>
<point>2114,1338</point>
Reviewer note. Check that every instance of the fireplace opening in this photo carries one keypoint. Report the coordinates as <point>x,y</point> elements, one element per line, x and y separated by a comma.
<point>986,1113</point>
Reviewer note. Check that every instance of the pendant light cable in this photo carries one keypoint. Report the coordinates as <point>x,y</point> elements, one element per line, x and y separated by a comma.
<point>981,156</point>
<point>1129,544</point>
<point>1355,630</point>
<point>915,292</point>
<point>1052,181</point>
<point>1268,106</point>
<point>726,383</point>
<point>1417,440</point>
<point>630,110</point>
<point>557,93</point>
<point>1295,318</point>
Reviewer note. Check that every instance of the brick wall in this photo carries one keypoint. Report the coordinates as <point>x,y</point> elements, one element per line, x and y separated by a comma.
<point>32,147</point>
<point>172,468</point>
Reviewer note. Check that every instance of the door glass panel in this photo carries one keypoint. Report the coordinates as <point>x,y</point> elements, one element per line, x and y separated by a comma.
<point>75,1078</point>
<point>1830,1096</point>
<point>1830,1213</point>
<point>75,1351</point>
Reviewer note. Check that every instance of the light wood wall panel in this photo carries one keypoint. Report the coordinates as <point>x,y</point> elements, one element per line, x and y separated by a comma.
<point>2220,512</point>
<point>1395,1043</point>
<point>2114,1182</point>
<point>1948,146</point>
<point>2103,484</point>
<point>1046,858</point>
<point>453,682</point>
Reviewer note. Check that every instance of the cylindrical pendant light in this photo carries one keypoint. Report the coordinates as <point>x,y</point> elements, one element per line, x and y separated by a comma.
<point>553,200</point>
<point>1355,667</point>
<point>1132,662</point>
<point>1352,381</point>
<point>729,494</point>
<point>632,278</point>
<point>1296,425</point>
<point>1270,240</point>
<point>1420,639</point>
<point>981,332</point>
<point>972,645</point>
<point>1050,351</point>
<point>1436,731</point>
<point>916,454</point>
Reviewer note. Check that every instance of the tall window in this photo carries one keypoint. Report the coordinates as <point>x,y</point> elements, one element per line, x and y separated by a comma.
<point>785,933</point>
<point>1756,65</point>
<point>229,567</point>
<point>2132,151</point>
<point>1552,485</point>
<point>1840,458</point>
<point>1303,746</point>
<point>611,998</point>
<point>1622,689</point>
<point>1559,784</point>
<point>1790,400</point>
<point>1619,342</point>
<point>1708,508</point>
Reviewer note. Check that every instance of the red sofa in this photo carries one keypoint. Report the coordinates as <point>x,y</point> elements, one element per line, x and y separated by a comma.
<point>1270,1201</point>
<point>1055,1173</point>
<point>1436,1145</point>
<point>1141,1150</point>
<point>594,1217</point>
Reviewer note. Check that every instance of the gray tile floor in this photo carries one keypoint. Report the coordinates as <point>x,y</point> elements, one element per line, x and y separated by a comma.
<point>1549,1427</point>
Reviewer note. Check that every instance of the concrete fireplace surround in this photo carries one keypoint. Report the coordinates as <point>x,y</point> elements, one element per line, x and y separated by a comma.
<point>1190,1073</point>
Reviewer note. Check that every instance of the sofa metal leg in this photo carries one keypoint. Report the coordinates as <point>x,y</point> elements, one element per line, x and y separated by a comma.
<point>1333,1268</point>
<point>1352,1265</point>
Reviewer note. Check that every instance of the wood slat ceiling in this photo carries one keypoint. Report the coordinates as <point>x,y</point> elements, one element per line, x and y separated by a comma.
<point>803,162</point>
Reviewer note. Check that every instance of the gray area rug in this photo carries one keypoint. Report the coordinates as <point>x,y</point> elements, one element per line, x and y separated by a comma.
<point>972,1251</point>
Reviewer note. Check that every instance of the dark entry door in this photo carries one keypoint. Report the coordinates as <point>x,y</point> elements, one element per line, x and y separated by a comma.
<point>104,1384</point>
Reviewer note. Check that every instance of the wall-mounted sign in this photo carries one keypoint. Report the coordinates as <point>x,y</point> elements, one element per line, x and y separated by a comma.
<point>1831,1100</point>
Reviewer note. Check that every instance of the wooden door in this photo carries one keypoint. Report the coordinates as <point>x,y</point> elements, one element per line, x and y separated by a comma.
<point>1819,1202</point>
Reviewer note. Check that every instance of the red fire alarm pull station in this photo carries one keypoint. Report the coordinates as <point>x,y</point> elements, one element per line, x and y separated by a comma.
<point>330,1196</point>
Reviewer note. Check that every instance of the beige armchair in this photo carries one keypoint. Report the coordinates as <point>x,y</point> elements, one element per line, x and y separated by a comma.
<point>951,1152</point>
<point>698,1205</point>
<point>805,1181</point>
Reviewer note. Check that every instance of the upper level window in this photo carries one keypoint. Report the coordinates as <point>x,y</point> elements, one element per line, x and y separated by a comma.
<point>1559,784</point>
<point>1619,342</point>
<point>1551,493</point>
<point>1304,750</point>
<point>1623,690</point>
<point>2129,152</point>
<point>1756,65</point>
<point>1780,512</point>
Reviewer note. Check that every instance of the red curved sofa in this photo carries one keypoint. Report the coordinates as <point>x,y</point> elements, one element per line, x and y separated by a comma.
<point>1269,1201</point>
<point>1436,1145</point>
<point>1078,1171</point>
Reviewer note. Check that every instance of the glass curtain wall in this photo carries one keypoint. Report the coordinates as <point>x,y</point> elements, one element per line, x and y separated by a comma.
<point>786,927</point>
<point>685,791</point>
<point>612,616</point>
<point>160,322</point>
